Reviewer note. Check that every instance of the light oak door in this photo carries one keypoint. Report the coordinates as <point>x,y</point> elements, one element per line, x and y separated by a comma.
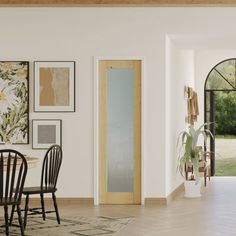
<point>120,132</point>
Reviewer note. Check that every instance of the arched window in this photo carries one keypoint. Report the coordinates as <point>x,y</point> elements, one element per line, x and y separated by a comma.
<point>222,77</point>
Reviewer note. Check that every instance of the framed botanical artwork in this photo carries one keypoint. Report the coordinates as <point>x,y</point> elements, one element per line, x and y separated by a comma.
<point>14,102</point>
<point>46,133</point>
<point>54,86</point>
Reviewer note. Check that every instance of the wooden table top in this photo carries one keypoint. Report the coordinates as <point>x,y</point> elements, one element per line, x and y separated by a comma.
<point>31,161</point>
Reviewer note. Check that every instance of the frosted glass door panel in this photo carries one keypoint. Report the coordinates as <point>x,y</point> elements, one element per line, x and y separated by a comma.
<point>120,133</point>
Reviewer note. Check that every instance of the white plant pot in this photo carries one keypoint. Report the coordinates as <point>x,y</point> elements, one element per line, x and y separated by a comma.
<point>192,188</point>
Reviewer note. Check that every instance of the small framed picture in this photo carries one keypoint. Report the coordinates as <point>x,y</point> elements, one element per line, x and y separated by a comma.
<point>54,86</point>
<point>46,133</point>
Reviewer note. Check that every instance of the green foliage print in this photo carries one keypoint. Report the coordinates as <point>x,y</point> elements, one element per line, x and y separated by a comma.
<point>14,102</point>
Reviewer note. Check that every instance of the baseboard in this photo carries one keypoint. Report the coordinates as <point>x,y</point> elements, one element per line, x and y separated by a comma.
<point>62,201</point>
<point>176,193</point>
<point>90,201</point>
<point>155,201</point>
<point>166,201</point>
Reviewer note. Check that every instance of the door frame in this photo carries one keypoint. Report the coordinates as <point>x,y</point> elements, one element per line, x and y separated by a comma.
<point>96,123</point>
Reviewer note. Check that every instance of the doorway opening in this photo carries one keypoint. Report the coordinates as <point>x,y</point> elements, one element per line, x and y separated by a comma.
<point>220,114</point>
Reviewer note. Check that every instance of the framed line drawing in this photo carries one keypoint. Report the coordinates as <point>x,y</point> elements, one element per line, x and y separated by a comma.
<point>14,102</point>
<point>46,133</point>
<point>54,86</point>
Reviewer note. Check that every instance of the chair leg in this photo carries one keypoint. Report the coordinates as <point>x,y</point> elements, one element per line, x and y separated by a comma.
<point>6,219</point>
<point>20,220</point>
<point>56,208</point>
<point>12,214</point>
<point>43,208</point>
<point>26,209</point>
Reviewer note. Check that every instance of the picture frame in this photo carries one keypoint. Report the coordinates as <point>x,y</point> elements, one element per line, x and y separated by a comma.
<point>46,132</point>
<point>14,102</point>
<point>54,86</point>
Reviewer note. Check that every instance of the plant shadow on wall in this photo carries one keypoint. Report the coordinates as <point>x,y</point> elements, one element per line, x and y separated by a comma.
<point>14,102</point>
<point>192,156</point>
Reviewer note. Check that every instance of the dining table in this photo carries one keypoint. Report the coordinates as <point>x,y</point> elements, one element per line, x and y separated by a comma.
<point>31,162</point>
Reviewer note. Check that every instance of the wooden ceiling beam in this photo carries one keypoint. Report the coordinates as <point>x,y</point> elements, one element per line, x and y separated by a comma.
<point>117,3</point>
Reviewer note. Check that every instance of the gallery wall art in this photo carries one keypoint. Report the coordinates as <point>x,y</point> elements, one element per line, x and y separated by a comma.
<point>46,132</point>
<point>14,102</point>
<point>54,86</point>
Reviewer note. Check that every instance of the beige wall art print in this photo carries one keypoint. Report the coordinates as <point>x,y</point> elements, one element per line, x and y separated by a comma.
<point>54,86</point>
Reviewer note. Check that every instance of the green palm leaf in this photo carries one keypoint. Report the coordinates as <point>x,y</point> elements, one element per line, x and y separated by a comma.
<point>190,153</point>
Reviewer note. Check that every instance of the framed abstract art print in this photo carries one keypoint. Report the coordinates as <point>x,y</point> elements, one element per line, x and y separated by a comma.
<point>54,86</point>
<point>46,133</point>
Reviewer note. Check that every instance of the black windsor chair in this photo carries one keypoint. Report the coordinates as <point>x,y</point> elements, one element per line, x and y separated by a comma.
<point>50,170</point>
<point>13,170</point>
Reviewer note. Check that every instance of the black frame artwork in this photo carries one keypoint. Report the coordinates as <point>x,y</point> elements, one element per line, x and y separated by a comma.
<point>14,115</point>
<point>46,122</point>
<point>58,79</point>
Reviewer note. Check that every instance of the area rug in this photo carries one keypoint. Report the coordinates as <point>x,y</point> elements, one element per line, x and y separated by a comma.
<point>77,225</point>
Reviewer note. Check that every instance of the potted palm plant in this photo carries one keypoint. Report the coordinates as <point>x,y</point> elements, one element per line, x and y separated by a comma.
<point>190,156</point>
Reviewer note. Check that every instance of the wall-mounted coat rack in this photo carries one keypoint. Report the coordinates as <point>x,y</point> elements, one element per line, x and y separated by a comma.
<point>192,105</point>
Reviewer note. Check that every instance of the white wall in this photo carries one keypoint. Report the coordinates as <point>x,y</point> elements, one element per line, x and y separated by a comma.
<point>179,73</point>
<point>81,33</point>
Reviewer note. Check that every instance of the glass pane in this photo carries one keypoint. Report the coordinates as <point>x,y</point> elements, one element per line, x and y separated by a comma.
<point>215,81</point>
<point>207,119</point>
<point>208,101</point>
<point>227,69</point>
<point>120,129</point>
<point>226,113</point>
<point>208,142</point>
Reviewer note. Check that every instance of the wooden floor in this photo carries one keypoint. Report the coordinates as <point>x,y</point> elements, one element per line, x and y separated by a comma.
<point>212,215</point>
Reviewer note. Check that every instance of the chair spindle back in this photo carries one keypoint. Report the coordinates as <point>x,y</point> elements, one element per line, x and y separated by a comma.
<point>51,166</point>
<point>13,170</point>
